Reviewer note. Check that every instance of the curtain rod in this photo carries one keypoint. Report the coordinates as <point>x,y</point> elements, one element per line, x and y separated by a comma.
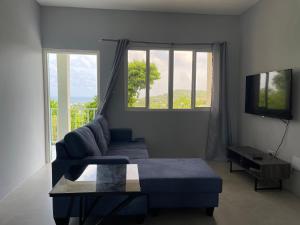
<point>151,42</point>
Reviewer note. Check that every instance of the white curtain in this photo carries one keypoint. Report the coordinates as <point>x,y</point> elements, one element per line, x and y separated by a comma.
<point>219,131</point>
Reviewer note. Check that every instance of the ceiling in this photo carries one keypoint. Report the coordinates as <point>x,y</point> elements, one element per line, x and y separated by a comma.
<point>216,7</point>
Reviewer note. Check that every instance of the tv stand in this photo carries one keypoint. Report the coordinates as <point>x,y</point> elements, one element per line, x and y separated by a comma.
<point>262,166</point>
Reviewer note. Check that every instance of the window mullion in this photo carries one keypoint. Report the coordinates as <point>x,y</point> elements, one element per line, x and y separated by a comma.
<point>147,78</point>
<point>171,76</point>
<point>193,94</point>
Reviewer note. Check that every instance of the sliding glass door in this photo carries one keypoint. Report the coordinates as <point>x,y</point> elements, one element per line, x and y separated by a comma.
<point>72,92</point>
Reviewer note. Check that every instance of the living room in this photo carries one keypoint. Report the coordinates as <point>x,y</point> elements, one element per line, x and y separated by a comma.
<point>234,39</point>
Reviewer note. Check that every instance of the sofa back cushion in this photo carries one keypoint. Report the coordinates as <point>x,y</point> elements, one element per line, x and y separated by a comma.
<point>97,131</point>
<point>104,124</point>
<point>81,143</point>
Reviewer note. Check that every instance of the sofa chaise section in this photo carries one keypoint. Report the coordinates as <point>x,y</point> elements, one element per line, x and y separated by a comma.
<point>179,183</point>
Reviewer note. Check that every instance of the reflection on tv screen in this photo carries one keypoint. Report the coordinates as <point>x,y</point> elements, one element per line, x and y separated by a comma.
<point>269,94</point>
<point>272,90</point>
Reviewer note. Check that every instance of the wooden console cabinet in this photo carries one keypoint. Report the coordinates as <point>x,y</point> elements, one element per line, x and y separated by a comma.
<point>262,166</point>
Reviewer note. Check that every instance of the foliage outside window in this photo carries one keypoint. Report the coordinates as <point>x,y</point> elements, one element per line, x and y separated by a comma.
<point>72,79</point>
<point>152,85</point>
<point>80,113</point>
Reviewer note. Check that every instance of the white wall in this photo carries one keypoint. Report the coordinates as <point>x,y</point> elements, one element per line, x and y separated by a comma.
<point>168,134</point>
<point>21,93</point>
<point>270,41</point>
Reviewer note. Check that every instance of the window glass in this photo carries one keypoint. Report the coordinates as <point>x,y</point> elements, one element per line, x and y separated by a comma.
<point>182,79</point>
<point>159,79</point>
<point>136,78</point>
<point>203,79</point>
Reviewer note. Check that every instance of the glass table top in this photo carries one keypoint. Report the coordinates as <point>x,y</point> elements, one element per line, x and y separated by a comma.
<point>97,179</point>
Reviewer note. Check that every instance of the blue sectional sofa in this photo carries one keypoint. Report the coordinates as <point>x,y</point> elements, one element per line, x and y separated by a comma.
<point>169,183</point>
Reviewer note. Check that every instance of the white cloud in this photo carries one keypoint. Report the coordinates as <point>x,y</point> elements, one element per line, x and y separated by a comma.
<point>182,69</point>
<point>83,75</point>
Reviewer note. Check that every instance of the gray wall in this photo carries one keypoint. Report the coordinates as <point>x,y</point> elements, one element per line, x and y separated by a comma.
<point>270,40</point>
<point>21,93</point>
<point>168,134</point>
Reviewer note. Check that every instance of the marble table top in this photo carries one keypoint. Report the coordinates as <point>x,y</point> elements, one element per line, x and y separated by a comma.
<point>99,179</point>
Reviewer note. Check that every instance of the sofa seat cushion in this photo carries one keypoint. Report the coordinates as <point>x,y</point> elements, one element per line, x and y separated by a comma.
<point>96,129</point>
<point>137,153</point>
<point>177,175</point>
<point>81,143</point>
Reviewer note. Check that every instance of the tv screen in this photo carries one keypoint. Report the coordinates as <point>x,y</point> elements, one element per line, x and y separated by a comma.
<point>270,94</point>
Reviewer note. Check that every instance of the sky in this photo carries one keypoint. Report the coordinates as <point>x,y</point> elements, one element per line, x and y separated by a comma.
<point>83,72</point>
<point>182,69</point>
<point>83,75</point>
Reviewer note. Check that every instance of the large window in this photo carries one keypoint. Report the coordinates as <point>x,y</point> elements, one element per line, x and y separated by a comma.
<point>73,91</point>
<point>161,79</point>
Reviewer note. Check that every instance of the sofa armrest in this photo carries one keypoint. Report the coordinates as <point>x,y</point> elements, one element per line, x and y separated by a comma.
<point>121,135</point>
<point>116,159</point>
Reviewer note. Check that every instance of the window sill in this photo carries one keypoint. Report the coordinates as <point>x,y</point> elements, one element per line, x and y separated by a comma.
<point>202,109</point>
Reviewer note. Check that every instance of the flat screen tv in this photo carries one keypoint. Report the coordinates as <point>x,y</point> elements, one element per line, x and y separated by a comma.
<point>270,94</point>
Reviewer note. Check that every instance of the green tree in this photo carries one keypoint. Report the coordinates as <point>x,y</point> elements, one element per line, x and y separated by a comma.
<point>92,106</point>
<point>80,114</point>
<point>53,104</point>
<point>137,79</point>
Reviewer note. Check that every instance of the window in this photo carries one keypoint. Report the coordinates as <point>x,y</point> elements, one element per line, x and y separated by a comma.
<point>136,79</point>
<point>162,79</point>
<point>159,79</point>
<point>182,81</point>
<point>203,79</point>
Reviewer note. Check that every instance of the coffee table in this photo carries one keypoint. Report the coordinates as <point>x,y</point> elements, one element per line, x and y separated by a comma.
<point>98,181</point>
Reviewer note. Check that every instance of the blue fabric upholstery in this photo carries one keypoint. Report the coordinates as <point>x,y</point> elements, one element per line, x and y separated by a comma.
<point>130,153</point>
<point>61,150</point>
<point>81,143</point>
<point>121,135</point>
<point>131,149</point>
<point>127,145</point>
<point>183,175</point>
<point>96,129</point>
<point>183,200</point>
<point>169,183</point>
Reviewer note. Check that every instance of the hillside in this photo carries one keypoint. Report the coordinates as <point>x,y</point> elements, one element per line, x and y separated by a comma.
<point>182,100</point>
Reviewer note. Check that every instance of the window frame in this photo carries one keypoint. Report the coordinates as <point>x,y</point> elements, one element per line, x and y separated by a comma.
<point>171,49</point>
<point>46,82</point>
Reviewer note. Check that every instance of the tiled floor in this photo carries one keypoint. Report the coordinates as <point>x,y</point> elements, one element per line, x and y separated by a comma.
<point>239,204</point>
